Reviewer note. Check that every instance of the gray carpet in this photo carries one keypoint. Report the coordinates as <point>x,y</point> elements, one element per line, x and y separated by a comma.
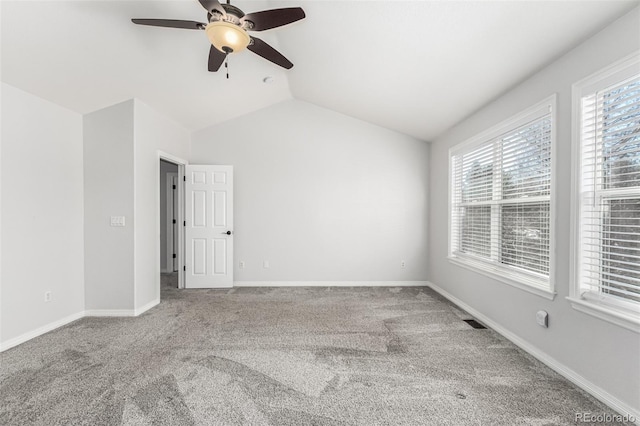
<point>283,356</point>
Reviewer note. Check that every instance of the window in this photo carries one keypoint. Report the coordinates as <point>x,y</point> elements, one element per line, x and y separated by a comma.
<point>606,248</point>
<point>501,201</point>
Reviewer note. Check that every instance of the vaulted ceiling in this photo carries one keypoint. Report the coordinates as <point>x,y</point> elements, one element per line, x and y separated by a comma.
<point>417,67</point>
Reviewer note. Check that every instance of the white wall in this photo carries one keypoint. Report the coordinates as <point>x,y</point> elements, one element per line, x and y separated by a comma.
<point>122,166</point>
<point>165,168</point>
<point>322,196</point>
<point>109,191</point>
<point>42,201</point>
<point>604,354</point>
<point>153,132</point>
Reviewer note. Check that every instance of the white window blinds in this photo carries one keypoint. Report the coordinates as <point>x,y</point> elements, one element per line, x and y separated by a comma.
<point>610,192</point>
<point>500,199</point>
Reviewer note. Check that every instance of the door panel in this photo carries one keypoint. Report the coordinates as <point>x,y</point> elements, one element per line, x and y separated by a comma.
<point>199,264</point>
<point>219,208</point>
<point>199,209</point>
<point>209,226</point>
<point>219,256</point>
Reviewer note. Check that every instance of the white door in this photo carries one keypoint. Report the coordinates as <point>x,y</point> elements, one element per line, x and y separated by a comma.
<point>209,226</point>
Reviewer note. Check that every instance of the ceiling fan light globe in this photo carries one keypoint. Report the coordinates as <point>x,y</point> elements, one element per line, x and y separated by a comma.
<point>224,36</point>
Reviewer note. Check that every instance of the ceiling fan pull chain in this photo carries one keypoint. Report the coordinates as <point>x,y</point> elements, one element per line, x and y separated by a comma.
<point>226,66</point>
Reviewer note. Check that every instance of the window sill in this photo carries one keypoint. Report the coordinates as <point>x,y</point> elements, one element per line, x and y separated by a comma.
<point>514,280</point>
<point>622,318</point>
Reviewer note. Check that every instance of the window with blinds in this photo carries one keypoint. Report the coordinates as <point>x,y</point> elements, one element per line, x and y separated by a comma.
<point>500,211</point>
<point>608,244</point>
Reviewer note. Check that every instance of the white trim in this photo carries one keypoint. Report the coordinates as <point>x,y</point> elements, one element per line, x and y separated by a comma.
<point>607,75</point>
<point>330,283</point>
<point>566,372</point>
<point>145,308</point>
<point>40,331</point>
<point>499,274</point>
<point>449,202</point>
<point>504,274</point>
<point>181,248</point>
<point>171,208</point>
<point>617,71</point>
<point>614,316</point>
<point>79,315</point>
<point>545,106</point>
<point>171,158</point>
<point>121,312</point>
<point>110,313</point>
<point>139,311</point>
<point>576,165</point>
<point>553,200</point>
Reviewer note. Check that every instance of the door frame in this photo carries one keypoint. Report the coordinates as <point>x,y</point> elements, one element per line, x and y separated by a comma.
<point>180,187</point>
<point>172,213</point>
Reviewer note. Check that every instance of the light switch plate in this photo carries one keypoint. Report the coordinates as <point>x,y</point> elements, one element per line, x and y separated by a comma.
<point>117,221</point>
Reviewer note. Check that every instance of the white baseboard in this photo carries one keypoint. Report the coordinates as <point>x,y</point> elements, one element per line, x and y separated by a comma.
<point>599,393</point>
<point>146,307</point>
<point>121,312</point>
<point>39,331</point>
<point>64,321</point>
<point>110,313</point>
<point>330,283</point>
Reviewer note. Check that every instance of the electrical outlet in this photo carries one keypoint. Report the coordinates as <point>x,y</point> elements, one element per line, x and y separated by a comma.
<point>542,318</point>
<point>265,264</point>
<point>47,296</point>
<point>242,264</point>
<point>403,263</point>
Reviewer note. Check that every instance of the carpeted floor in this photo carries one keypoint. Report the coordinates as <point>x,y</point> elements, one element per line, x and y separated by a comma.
<point>283,356</point>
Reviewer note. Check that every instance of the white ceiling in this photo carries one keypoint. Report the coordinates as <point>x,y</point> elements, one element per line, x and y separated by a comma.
<point>417,67</point>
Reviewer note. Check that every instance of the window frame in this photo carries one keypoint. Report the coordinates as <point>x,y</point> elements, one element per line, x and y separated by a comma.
<point>613,310</point>
<point>506,274</point>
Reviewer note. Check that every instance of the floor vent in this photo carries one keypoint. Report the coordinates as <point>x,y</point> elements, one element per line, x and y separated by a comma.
<point>473,323</point>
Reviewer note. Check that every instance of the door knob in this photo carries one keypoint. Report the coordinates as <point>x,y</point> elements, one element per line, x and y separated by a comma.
<point>228,232</point>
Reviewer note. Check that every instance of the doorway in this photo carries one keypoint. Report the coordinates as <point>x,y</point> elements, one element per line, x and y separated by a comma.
<point>195,237</point>
<point>168,223</point>
<point>170,219</point>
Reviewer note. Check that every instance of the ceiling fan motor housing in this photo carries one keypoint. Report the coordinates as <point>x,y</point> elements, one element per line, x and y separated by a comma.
<point>234,15</point>
<point>232,10</point>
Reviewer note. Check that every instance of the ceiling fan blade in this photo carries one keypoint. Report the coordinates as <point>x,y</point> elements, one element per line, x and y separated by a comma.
<point>216,58</point>
<point>212,5</point>
<point>261,48</point>
<point>273,18</point>
<point>171,23</point>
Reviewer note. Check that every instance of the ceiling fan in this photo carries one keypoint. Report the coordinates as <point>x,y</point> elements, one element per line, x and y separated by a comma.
<point>227,30</point>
